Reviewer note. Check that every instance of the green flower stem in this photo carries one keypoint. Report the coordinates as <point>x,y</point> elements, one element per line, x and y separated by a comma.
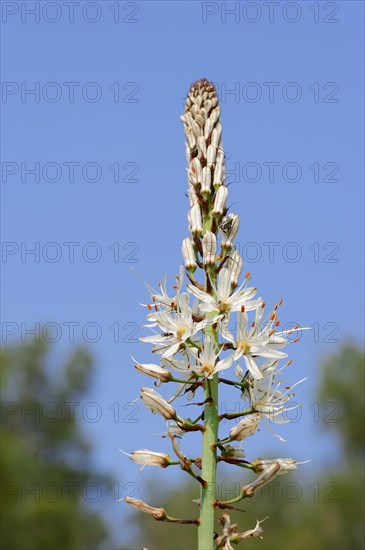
<point>210,434</point>
<point>209,466</point>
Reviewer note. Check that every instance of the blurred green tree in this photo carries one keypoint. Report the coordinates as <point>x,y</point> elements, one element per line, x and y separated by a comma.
<point>44,456</point>
<point>322,513</point>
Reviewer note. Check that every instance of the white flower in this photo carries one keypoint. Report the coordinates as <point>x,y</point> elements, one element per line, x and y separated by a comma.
<point>223,301</point>
<point>252,342</point>
<point>268,400</point>
<point>177,327</point>
<point>207,362</point>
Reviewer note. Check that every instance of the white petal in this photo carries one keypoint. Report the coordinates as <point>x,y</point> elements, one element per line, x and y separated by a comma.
<point>252,367</point>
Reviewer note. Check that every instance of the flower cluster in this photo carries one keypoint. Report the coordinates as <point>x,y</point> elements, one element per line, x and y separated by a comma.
<point>211,325</point>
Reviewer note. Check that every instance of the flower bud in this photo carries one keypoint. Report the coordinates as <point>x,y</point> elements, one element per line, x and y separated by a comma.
<point>193,198</point>
<point>245,427</point>
<point>155,371</point>
<point>196,168</point>
<point>196,128</point>
<point>211,154</point>
<point>150,458</point>
<point>156,403</point>
<point>209,248</point>
<point>220,200</point>
<point>229,229</point>
<point>188,255</point>
<point>206,180</point>
<point>202,144</point>
<point>191,140</point>
<point>208,127</point>
<point>219,174</point>
<point>157,513</point>
<point>216,135</point>
<point>235,267</point>
<point>267,475</point>
<point>220,156</point>
<point>195,219</point>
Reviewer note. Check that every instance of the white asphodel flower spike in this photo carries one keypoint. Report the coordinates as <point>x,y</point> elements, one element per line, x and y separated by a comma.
<point>212,324</point>
<point>209,248</point>
<point>188,255</point>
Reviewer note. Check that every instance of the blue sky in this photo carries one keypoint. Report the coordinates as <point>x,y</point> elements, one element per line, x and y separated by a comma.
<point>102,133</point>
